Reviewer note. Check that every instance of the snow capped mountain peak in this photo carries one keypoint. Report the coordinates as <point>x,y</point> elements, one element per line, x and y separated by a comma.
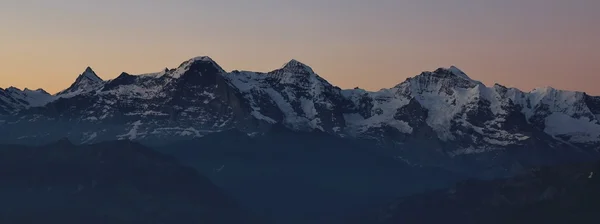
<point>539,95</point>
<point>20,99</point>
<point>440,80</point>
<point>202,58</point>
<point>124,74</point>
<point>456,71</point>
<point>553,100</point>
<point>201,64</point>
<point>299,74</point>
<point>563,114</point>
<point>444,102</point>
<point>293,62</point>
<point>297,67</point>
<point>86,82</point>
<point>91,75</point>
<point>453,70</point>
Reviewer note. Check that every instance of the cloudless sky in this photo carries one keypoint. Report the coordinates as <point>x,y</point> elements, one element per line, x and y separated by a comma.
<point>371,44</point>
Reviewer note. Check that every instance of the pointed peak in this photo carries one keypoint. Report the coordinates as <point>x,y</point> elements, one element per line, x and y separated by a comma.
<point>85,82</point>
<point>124,75</point>
<point>294,63</point>
<point>297,66</point>
<point>88,70</point>
<point>90,74</point>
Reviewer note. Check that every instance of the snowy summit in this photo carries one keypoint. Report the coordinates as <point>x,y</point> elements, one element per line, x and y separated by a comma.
<point>86,82</point>
<point>460,114</point>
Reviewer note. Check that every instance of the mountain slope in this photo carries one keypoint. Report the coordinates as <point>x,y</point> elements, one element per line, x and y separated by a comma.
<point>555,194</point>
<point>443,111</point>
<point>112,182</point>
<point>182,103</point>
<point>311,177</point>
<point>294,96</point>
<point>473,118</point>
<point>13,99</point>
<point>86,82</point>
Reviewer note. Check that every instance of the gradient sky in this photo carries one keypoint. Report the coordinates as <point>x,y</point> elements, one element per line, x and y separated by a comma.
<point>371,44</point>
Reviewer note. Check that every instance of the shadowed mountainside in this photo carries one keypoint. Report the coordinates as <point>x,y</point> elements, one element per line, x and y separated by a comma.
<point>301,177</point>
<point>111,182</point>
<point>553,194</point>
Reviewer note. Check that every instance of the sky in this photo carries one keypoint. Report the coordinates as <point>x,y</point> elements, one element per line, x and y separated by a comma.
<point>351,43</point>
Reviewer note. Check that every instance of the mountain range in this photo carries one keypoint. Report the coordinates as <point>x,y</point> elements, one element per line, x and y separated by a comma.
<point>289,145</point>
<point>444,110</point>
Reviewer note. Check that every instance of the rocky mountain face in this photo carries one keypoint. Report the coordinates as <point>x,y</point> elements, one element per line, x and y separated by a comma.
<point>87,82</point>
<point>111,182</point>
<point>13,99</point>
<point>555,194</point>
<point>444,112</point>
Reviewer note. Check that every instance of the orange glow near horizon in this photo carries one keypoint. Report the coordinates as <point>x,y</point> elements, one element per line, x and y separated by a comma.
<point>370,46</point>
